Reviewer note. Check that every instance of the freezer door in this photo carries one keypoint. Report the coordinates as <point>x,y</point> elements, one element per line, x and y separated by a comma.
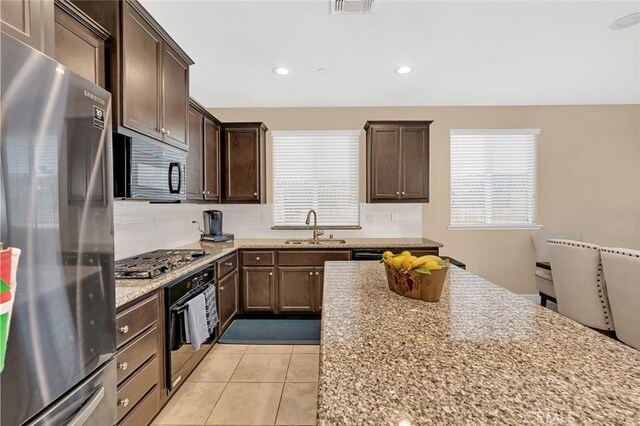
<point>57,208</point>
<point>93,402</point>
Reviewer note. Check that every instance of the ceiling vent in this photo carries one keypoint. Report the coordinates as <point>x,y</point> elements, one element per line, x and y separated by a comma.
<point>350,7</point>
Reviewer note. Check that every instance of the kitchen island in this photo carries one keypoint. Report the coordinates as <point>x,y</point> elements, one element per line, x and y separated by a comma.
<point>482,355</point>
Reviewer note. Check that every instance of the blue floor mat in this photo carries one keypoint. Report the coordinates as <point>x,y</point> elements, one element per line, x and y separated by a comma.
<point>273,332</point>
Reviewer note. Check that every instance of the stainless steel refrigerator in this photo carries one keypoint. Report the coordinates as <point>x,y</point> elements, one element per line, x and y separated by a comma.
<point>57,208</point>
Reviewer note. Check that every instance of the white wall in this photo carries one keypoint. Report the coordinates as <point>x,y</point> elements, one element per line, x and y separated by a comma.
<point>141,227</point>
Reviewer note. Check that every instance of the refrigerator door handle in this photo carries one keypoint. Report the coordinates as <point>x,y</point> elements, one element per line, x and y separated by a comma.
<point>81,417</point>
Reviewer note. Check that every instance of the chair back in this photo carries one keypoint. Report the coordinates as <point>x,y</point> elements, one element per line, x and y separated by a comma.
<point>622,271</point>
<point>579,284</point>
<point>541,247</point>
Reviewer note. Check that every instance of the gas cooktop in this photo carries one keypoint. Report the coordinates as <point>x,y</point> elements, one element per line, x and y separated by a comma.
<point>155,263</point>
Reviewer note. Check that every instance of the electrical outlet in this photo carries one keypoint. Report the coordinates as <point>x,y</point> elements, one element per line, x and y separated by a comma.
<point>394,217</point>
<point>368,218</point>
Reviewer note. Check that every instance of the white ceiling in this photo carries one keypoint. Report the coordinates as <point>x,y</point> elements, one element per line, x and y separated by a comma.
<point>463,53</point>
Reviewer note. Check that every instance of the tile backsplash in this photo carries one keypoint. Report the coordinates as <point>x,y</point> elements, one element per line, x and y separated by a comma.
<point>141,226</point>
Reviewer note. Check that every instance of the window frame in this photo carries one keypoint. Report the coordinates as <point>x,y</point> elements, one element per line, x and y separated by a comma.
<point>357,134</point>
<point>496,226</point>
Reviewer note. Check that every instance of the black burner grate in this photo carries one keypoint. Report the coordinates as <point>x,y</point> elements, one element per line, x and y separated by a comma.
<point>155,263</point>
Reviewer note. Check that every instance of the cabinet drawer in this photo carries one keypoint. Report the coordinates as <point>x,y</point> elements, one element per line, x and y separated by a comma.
<point>257,258</point>
<point>136,353</point>
<point>145,411</point>
<point>310,257</point>
<point>137,386</point>
<point>136,319</point>
<point>226,265</point>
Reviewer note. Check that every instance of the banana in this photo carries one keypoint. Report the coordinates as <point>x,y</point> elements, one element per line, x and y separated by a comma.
<point>423,259</point>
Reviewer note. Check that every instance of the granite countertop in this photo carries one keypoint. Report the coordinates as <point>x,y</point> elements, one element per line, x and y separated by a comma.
<point>482,355</point>
<point>128,290</point>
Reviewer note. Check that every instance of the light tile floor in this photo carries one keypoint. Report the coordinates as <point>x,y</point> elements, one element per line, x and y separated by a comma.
<point>249,385</point>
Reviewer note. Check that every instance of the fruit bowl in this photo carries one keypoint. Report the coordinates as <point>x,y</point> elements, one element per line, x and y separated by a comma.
<point>417,278</point>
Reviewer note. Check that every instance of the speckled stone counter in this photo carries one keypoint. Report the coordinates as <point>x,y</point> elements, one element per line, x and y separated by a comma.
<point>128,290</point>
<point>482,355</point>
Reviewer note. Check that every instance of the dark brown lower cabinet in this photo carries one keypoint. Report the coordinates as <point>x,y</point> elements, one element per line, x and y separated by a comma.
<point>258,289</point>
<point>297,288</point>
<point>227,300</point>
<point>140,360</point>
<point>317,302</point>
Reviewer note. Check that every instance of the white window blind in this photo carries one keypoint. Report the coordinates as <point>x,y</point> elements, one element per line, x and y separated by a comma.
<point>315,170</point>
<point>493,178</point>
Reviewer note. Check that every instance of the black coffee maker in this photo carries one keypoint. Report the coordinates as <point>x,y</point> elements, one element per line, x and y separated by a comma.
<point>212,220</point>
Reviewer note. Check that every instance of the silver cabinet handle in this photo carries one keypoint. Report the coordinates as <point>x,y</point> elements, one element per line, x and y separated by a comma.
<point>124,329</point>
<point>255,194</point>
<point>402,192</point>
<point>123,402</point>
<point>257,258</point>
<point>163,130</point>
<point>204,192</point>
<point>270,274</point>
<point>310,273</point>
<point>397,193</point>
<point>221,287</point>
<point>168,133</point>
<point>123,366</point>
<point>317,273</point>
<point>228,264</point>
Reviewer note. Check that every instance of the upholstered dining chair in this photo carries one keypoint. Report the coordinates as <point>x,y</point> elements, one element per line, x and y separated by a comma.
<point>544,277</point>
<point>622,272</point>
<point>579,284</point>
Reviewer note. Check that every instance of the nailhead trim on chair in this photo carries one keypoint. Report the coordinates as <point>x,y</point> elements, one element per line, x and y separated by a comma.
<point>624,253</point>
<point>599,278</point>
<point>566,243</point>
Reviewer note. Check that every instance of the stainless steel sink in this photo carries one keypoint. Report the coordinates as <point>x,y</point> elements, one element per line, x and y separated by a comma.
<point>312,242</point>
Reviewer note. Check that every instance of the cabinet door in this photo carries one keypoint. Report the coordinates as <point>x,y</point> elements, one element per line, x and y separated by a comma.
<point>30,21</point>
<point>319,286</point>
<point>414,163</point>
<point>211,160</point>
<point>141,75</point>
<point>175,97</point>
<point>258,289</point>
<point>78,48</point>
<point>296,288</point>
<point>194,157</point>
<point>227,300</point>
<point>242,165</point>
<point>384,152</point>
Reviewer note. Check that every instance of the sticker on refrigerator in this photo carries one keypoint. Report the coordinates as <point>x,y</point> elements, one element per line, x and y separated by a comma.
<point>98,117</point>
<point>8,270</point>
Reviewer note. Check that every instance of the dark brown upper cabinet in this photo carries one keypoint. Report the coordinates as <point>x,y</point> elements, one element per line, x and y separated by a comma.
<point>203,159</point>
<point>30,21</point>
<point>397,161</point>
<point>149,73</point>
<point>80,42</point>
<point>244,178</point>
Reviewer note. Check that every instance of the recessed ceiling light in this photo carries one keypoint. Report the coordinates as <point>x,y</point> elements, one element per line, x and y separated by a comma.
<point>321,70</point>
<point>281,70</point>
<point>404,69</point>
<point>626,22</point>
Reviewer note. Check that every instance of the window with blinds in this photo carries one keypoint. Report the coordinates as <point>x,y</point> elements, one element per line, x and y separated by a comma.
<point>493,178</point>
<point>315,170</point>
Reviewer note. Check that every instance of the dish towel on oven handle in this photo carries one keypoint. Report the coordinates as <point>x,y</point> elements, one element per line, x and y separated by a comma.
<point>197,321</point>
<point>211,307</point>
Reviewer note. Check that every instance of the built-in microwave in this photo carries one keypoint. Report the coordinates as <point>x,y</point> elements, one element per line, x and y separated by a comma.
<point>148,170</point>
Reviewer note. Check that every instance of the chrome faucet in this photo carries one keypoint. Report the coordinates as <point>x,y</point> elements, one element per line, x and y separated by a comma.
<point>316,232</point>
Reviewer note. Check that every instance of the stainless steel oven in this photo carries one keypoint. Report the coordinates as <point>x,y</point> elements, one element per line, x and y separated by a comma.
<point>181,358</point>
